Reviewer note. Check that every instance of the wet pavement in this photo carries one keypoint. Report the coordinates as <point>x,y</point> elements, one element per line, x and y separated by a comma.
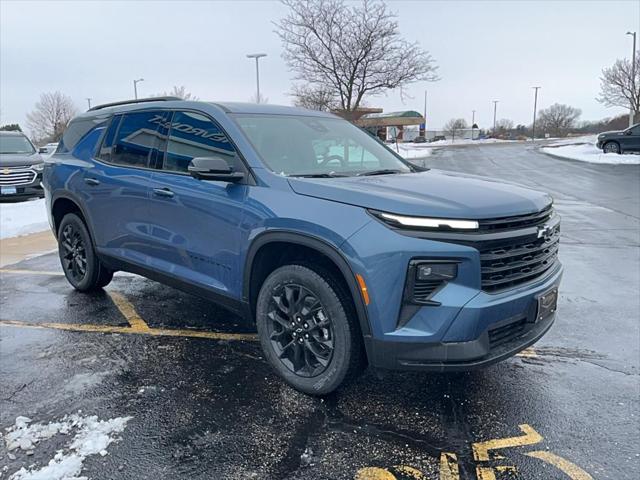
<point>204,404</point>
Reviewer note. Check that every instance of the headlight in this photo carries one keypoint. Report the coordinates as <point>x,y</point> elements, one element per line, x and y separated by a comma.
<point>426,222</point>
<point>38,167</point>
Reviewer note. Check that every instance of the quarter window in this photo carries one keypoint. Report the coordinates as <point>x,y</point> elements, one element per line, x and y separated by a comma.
<point>194,135</point>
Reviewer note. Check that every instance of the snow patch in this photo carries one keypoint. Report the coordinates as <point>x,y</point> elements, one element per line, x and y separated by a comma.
<point>22,218</point>
<point>584,149</point>
<point>92,437</point>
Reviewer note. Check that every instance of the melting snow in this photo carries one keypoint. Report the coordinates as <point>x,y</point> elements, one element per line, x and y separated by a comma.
<point>92,436</point>
<point>585,150</point>
<point>22,218</point>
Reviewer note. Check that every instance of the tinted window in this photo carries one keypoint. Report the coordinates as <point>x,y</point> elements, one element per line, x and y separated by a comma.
<point>194,135</point>
<point>138,139</point>
<point>635,130</point>
<point>109,137</point>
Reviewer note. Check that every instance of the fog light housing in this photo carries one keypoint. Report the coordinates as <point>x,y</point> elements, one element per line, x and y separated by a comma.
<point>436,271</point>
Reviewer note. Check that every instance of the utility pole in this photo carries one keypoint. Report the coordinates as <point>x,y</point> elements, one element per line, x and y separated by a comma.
<point>632,110</point>
<point>135,87</point>
<point>495,108</point>
<point>473,121</point>
<point>535,106</point>
<point>257,56</point>
<point>89,101</point>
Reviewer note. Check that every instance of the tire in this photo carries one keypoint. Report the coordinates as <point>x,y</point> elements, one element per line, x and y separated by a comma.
<point>611,147</point>
<point>317,345</point>
<point>78,258</point>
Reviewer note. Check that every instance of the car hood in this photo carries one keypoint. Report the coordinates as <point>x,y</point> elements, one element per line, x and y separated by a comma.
<point>612,133</point>
<point>19,159</point>
<point>433,193</point>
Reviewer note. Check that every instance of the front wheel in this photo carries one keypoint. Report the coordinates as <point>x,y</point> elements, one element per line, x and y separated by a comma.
<point>78,258</point>
<point>611,147</point>
<point>308,330</point>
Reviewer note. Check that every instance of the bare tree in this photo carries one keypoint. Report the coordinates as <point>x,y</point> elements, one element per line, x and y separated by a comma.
<point>454,126</point>
<point>558,119</point>
<point>318,98</point>
<point>180,92</point>
<point>51,115</point>
<point>618,88</point>
<point>504,125</point>
<point>350,50</point>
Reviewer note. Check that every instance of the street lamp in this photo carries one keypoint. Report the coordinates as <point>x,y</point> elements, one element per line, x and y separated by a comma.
<point>473,122</point>
<point>257,56</point>
<point>535,106</point>
<point>89,101</point>
<point>495,108</point>
<point>633,76</point>
<point>135,87</point>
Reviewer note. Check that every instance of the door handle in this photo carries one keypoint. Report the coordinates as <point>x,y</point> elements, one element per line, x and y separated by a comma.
<point>163,192</point>
<point>92,181</point>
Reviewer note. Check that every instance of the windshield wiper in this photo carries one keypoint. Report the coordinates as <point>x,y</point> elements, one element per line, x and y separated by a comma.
<point>318,175</point>
<point>384,171</point>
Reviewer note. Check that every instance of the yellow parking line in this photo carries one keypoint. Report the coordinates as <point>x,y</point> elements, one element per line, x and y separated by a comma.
<point>528,353</point>
<point>573,471</point>
<point>29,272</point>
<point>530,437</point>
<point>156,332</point>
<point>449,466</point>
<point>128,311</point>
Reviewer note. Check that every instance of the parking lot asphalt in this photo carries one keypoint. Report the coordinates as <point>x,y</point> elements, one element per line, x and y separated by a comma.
<point>201,403</point>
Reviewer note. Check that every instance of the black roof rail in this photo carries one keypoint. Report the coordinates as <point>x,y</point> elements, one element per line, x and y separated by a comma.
<point>127,102</point>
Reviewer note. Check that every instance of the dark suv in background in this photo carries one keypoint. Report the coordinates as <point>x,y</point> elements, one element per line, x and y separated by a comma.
<point>620,141</point>
<point>341,251</point>
<point>20,167</point>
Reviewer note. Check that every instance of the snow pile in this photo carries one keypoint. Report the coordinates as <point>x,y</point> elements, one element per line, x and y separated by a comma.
<point>584,149</point>
<point>412,150</point>
<point>22,218</point>
<point>92,437</point>
<point>468,141</point>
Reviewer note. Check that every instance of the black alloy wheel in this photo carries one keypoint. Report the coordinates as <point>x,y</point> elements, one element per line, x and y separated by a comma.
<point>300,330</point>
<point>74,256</point>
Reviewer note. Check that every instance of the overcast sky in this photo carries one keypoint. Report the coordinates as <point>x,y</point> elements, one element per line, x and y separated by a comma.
<point>484,51</point>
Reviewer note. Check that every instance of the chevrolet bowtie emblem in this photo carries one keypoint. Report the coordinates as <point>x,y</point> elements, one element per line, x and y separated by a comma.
<point>545,231</point>
<point>6,171</point>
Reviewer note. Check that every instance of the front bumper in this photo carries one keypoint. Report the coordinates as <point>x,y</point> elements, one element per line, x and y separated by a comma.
<point>510,316</point>
<point>23,191</point>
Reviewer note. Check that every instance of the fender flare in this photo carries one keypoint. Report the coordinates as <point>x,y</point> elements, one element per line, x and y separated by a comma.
<point>72,198</point>
<point>321,246</point>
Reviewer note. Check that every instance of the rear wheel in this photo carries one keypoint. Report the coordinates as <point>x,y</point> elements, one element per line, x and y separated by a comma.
<point>78,258</point>
<point>611,147</point>
<point>308,330</point>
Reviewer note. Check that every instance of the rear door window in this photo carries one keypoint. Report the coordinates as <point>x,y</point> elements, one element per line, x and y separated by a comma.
<point>139,140</point>
<point>195,135</point>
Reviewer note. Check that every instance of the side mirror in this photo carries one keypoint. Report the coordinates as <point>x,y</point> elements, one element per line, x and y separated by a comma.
<point>628,132</point>
<point>42,150</point>
<point>213,168</point>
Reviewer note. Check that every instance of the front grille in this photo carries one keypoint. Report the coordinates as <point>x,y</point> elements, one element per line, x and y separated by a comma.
<point>501,335</point>
<point>518,260</point>
<point>15,176</point>
<point>520,221</point>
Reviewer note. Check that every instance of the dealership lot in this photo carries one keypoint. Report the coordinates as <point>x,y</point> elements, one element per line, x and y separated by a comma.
<point>203,404</point>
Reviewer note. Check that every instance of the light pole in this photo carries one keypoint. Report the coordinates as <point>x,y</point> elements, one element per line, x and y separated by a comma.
<point>89,101</point>
<point>495,108</point>
<point>535,106</point>
<point>135,87</point>
<point>425,114</point>
<point>473,121</point>
<point>257,56</point>
<point>632,111</point>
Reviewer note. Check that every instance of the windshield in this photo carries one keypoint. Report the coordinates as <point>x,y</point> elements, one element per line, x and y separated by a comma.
<point>313,146</point>
<point>15,144</point>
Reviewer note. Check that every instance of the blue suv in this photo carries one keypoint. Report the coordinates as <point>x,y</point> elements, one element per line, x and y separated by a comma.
<point>340,251</point>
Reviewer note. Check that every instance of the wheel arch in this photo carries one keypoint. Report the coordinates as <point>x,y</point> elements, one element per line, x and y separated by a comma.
<point>64,204</point>
<point>250,289</point>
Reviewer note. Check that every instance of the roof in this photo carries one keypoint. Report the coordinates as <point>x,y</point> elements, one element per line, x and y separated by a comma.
<point>11,133</point>
<point>265,108</point>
